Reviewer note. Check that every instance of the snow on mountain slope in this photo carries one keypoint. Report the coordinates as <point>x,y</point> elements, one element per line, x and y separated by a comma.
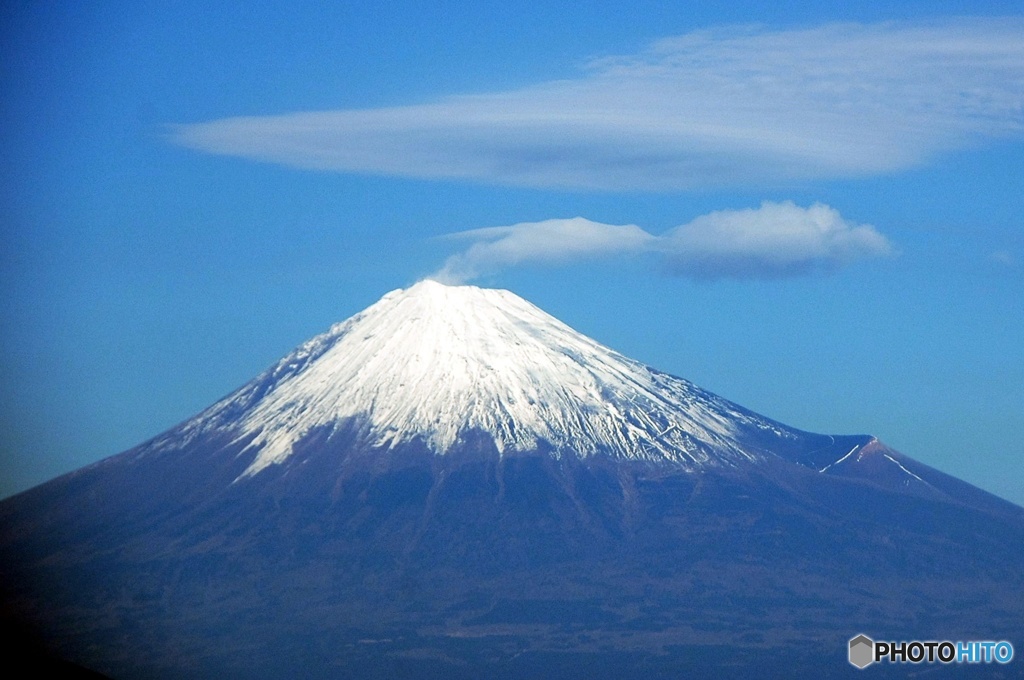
<point>435,361</point>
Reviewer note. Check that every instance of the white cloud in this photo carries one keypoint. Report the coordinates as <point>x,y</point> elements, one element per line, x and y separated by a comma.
<point>550,241</point>
<point>775,240</point>
<point>727,107</point>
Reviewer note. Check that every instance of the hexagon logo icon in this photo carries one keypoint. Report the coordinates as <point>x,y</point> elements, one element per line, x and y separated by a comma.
<point>862,651</point>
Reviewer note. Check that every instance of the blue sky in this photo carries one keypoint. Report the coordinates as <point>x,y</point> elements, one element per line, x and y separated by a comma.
<point>814,212</point>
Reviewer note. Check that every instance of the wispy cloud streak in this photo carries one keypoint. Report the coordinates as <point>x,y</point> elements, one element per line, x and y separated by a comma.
<point>728,107</point>
<point>773,241</point>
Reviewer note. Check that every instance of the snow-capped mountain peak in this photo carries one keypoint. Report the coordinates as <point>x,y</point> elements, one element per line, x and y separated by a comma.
<point>436,362</point>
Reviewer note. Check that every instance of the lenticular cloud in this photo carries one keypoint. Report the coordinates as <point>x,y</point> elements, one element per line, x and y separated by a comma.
<point>718,108</point>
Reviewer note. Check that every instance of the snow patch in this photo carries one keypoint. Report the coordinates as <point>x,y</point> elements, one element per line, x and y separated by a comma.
<point>848,454</point>
<point>900,465</point>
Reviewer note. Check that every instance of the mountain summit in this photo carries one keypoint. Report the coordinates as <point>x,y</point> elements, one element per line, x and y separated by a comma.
<point>454,483</point>
<point>440,365</point>
<point>436,362</point>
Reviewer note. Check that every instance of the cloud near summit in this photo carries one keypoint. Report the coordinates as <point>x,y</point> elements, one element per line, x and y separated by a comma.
<point>773,241</point>
<point>550,241</point>
<point>715,108</point>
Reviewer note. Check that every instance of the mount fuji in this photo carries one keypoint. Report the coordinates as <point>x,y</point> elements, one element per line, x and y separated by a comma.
<point>453,483</point>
